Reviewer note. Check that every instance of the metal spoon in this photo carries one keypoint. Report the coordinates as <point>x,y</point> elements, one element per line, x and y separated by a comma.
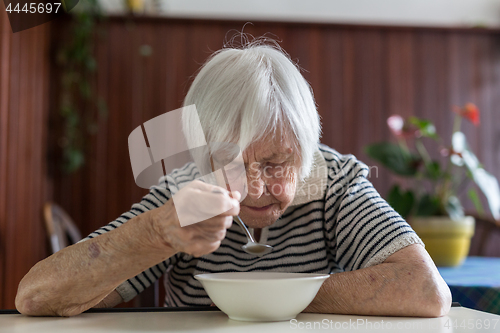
<point>252,247</point>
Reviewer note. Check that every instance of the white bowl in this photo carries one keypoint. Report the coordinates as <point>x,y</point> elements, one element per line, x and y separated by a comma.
<point>261,296</point>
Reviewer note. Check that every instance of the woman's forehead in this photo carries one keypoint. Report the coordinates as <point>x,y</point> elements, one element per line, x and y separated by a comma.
<point>270,149</point>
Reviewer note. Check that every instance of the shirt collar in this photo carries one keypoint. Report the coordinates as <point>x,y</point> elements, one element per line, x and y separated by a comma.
<point>314,186</point>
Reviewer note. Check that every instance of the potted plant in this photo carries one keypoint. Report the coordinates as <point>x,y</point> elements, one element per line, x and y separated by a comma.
<point>430,199</point>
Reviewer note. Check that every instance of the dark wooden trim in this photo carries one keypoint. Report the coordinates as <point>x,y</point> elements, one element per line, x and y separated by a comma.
<point>299,24</point>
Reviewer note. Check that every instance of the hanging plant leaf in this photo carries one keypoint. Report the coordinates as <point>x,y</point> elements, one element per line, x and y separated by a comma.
<point>402,202</point>
<point>454,208</point>
<point>433,170</point>
<point>474,197</point>
<point>428,206</point>
<point>394,158</point>
<point>425,127</point>
<point>73,159</point>
<point>77,98</point>
<point>487,183</point>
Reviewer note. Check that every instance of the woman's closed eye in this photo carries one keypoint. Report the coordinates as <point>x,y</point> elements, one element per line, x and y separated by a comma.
<point>275,169</point>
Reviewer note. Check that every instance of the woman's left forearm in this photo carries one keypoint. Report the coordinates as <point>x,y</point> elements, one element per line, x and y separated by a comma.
<point>406,284</point>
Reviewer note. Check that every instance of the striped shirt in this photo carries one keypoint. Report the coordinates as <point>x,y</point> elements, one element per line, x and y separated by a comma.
<point>344,226</point>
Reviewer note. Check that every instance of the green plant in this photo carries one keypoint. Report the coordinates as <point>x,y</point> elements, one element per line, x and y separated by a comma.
<point>435,183</point>
<point>79,106</point>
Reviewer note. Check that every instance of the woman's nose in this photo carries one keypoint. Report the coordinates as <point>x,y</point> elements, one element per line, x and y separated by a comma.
<point>256,183</point>
<point>256,187</point>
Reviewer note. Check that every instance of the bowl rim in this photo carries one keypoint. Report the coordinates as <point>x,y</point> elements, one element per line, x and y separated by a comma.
<point>310,276</point>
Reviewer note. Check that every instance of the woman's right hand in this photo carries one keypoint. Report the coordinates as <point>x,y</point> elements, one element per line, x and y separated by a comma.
<point>205,210</point>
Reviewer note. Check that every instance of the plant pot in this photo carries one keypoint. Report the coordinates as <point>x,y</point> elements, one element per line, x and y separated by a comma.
<point>135,6</point>
<point>446,240</point>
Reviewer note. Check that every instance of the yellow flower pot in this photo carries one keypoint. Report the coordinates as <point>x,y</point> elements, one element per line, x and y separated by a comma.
<point>446,240</point>
<point>135,6</point>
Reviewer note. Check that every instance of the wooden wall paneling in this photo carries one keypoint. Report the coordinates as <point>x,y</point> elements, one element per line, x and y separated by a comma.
<point>275,31</point>
<point>464,49</point>
<point>488,133</point>
<point>484,58</point>
<point>331,102</point>
<point>357,112</point>
<point>437,105</point>
<point>455,64</point>
<point>488,62</point>
<point>399,94</point>
<point>305,51</point>
<point>12,214</point>
<point>400,79</point>
<point>142,100</point>
<point>135,86</point>
<point>5,42</point>
<point>441,114</point>
<point>432,77</point>
<point>115,93</point>
<point>431,84</point>
<point>123,77</point>
<point>349,90</point>
<point>494,108</point>
<point>370,97</point>
<point>96,210</point>
<point>474,87</point>
<point>24,110</point>
<point>159,64</point>
<point>174,51</point>
<point>440,111</point>
<point>12,164</point>
<point>460,67</point>
<point>466,77</point>
<point>43,181</point>
<point>483,84</point>
<point>152,76</point>
<point>23,95</point>
<point>35,180</point>
<point>203,40</point>
<point>149,100</point>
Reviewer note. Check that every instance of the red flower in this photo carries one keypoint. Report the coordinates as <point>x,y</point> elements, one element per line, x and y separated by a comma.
<point>401,128</point>
<point>469,111</point>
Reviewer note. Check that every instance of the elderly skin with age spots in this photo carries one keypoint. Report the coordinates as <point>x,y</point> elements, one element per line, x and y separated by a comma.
<point>253,96</point>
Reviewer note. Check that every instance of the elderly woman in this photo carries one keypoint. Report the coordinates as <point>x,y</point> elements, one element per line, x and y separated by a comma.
<point>312,204</point>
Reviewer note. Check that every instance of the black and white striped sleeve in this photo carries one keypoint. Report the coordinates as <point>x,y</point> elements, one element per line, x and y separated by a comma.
<point>361,228</point>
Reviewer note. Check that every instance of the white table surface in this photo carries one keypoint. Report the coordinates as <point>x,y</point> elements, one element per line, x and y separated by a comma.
<point>458,320</point>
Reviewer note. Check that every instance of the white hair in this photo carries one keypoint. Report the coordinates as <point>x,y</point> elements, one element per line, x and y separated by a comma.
<point>243,94</point>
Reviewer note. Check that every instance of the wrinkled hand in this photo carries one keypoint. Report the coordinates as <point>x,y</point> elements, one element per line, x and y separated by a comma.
<point>196,202</point>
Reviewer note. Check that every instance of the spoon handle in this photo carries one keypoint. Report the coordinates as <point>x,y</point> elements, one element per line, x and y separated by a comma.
<point>238,221</point>
<point>236,218</point>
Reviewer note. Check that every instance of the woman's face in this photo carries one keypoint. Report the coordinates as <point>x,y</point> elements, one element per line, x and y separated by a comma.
<point>272,167</point>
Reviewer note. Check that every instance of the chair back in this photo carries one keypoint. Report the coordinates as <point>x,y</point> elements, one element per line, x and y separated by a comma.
<point>485,242</point>
<point>61,229</point>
